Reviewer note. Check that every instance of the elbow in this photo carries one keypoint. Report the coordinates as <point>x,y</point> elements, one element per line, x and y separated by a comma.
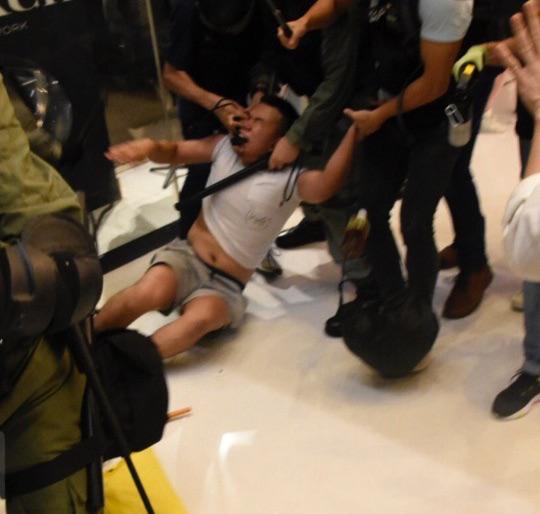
<point>441,87</point>
<point>311,194</point>
<point>436,88</point>
<point>317,198</point>
<point>318,195</point>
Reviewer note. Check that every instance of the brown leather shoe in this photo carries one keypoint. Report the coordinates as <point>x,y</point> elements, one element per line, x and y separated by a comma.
<point>448,257</point>
<point>467,293</point>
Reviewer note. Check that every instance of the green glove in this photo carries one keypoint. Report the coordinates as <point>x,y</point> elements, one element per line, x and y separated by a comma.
<point>475,55</point>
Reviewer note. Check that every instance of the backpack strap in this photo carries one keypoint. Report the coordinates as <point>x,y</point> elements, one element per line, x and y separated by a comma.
<point>47,473</point>
<point>410,17</point>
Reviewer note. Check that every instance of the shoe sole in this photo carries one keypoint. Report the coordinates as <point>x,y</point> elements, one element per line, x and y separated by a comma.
<point>520,413</point>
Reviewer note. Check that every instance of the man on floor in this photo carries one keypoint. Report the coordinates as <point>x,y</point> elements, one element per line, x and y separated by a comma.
<point>204,276</point>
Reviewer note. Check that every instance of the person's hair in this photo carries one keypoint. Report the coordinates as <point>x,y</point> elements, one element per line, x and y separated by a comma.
<point>288,113</point>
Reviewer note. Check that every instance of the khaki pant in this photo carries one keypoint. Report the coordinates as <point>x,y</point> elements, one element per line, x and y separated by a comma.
<point>40,419</point>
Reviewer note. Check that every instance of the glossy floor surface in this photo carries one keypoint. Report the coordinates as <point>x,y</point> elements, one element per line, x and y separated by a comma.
<point>286,421</point>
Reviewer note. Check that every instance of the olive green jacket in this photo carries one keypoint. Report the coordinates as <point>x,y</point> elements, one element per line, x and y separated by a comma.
<point>29,186</point>
<point>40,417</point>
<point>339,60</point>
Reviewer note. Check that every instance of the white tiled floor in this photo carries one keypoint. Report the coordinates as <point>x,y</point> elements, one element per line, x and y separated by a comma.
<point>286,421</point>
<point>144,206</point>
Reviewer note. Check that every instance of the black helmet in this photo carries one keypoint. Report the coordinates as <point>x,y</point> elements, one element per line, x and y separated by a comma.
<point>226,17</point>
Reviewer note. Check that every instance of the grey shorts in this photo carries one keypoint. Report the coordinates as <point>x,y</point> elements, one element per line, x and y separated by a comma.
<point>196,279</point>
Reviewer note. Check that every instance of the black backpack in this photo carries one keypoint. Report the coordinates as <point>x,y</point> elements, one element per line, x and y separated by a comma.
<point>392,338</point>
<point>131,371</point>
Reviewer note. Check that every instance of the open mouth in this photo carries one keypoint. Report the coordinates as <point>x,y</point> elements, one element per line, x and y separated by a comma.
<point>238,139</point>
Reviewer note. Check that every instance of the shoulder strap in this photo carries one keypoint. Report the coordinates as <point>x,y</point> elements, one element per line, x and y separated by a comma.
<point>47,473</point>
<point>410,17</point>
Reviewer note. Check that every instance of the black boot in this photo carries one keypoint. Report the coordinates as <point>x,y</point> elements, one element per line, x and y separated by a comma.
<point>367,292</point>
<point>332,327</point>
<point>306,232</point>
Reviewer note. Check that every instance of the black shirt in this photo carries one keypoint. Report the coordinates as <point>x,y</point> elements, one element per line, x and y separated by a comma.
<point>217,62</point>
<point>300,68</point>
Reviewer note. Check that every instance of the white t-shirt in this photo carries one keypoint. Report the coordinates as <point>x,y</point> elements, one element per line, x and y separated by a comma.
<point>521,226</point>
<point>445,21</point>
<point>246,218</point>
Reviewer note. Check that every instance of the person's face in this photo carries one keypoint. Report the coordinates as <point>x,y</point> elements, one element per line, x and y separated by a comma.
<point>262,130</point>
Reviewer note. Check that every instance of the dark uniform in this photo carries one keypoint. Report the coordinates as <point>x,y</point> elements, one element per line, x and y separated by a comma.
<point>490,23</point>
<point>217,62</point>
<point>324,68</point>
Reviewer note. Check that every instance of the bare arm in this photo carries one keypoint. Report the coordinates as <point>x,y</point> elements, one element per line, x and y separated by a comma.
<point>181,83</point>
<point>320,15</point>
<point>324,12</point>
<point>316,186</point>
<point>193,151</point>
<point>438,60</point>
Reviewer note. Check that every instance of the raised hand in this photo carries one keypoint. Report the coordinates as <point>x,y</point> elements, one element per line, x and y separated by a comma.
<point>524,61</point>
<point>298,28</point>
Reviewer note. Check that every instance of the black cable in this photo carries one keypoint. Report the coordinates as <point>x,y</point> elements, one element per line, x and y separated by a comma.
<point>96,224</point>
<point>292,179</point>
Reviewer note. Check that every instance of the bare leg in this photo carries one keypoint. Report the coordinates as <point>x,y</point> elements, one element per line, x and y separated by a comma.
<point>200,316</point>
<point>156,290</point>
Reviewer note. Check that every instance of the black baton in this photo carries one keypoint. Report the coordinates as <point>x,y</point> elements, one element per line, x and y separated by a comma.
<point>279,18</point>
<point>259,165</point>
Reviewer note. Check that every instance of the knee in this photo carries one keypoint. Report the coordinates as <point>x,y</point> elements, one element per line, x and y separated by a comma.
<point>213,317</point>
<point>156,289</point>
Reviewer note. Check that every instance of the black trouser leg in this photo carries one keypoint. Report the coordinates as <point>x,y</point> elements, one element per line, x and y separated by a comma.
<point>429,168</point>
<point>381,179</point>
<point>461,195</point>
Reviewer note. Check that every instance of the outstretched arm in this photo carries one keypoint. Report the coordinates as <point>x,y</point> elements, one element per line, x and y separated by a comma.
<point>320,15</point>
<point>438,59</point>
<point>338,59</point>
<point>316,186</point>
<point>193,151</point>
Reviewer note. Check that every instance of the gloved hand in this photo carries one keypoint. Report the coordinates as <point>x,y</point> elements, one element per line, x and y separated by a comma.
<point>476,55</point>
